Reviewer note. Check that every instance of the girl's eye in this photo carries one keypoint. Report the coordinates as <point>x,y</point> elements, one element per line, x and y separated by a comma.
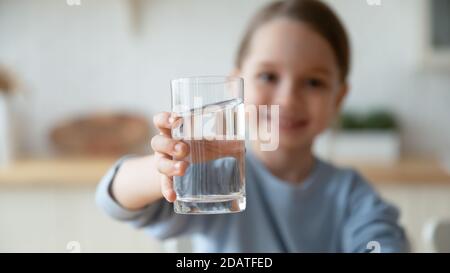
<point>314,83</point>
<point>268,77</point>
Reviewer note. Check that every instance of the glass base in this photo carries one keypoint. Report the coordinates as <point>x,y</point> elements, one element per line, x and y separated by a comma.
<point>210,205</point>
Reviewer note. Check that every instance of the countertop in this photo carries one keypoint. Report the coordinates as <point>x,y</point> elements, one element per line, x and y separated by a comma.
<point>88,171</point>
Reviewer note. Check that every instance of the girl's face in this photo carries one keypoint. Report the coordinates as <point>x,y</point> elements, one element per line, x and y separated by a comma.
<point>290,65</point>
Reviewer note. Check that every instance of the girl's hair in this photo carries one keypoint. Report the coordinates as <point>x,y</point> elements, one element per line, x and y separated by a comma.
<point>312,12</point>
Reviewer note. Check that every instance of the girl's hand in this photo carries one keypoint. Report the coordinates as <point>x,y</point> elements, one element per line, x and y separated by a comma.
<point>169,154</point>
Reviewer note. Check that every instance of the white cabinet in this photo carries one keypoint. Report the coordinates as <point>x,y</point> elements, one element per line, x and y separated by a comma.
<point>46,219</point>
<point>418,203</point>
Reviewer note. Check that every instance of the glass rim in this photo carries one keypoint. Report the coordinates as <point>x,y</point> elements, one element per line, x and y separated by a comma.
<point>207,79</point>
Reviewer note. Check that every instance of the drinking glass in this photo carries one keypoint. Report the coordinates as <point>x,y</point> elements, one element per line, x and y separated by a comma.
<point>210,117</point>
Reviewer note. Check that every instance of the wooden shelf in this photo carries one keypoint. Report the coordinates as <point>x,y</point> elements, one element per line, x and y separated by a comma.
<point>88,172</point>
<point>406,171</point>
<point>56,171</point>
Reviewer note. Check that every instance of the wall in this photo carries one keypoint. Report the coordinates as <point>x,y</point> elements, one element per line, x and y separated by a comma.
<point>92,57</point>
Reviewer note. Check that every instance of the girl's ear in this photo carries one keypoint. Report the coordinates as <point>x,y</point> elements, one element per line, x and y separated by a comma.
<point>342,93</point>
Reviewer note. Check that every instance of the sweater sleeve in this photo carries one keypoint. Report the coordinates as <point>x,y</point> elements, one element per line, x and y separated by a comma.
<point>158,218</point>
<point>372,223</point>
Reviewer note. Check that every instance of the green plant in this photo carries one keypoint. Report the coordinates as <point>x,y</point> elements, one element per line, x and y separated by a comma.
<point>373,120</point>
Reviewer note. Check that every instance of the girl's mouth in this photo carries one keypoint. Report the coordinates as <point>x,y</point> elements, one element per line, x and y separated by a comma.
<point>290,124</point>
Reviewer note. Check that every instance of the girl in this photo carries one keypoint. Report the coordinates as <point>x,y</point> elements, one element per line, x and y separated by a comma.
<point>295,54</point>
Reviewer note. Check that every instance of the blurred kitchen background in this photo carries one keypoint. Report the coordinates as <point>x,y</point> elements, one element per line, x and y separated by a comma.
<point>81,79</point>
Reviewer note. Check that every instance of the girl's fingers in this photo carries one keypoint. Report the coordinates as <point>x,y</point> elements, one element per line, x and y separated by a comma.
<point>171,167</point>
<point>167,189</point>
<point>166,145</point>
<point>165,121</point>
<point>161,122</point>
<point>159,155</point>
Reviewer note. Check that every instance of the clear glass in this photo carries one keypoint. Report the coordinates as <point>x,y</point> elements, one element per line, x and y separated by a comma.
<point>211,120</point>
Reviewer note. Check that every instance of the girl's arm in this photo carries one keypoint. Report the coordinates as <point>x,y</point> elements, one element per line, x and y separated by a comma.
<point>144,180</point>
<point>137,183</point>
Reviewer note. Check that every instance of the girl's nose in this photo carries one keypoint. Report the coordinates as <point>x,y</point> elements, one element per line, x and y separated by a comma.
<point>289,97</point>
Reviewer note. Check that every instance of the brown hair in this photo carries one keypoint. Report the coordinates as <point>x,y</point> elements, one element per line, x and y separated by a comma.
<point>312,12</point>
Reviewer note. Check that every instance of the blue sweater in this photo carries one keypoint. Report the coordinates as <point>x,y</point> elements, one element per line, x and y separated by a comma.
<point>333,210</point>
